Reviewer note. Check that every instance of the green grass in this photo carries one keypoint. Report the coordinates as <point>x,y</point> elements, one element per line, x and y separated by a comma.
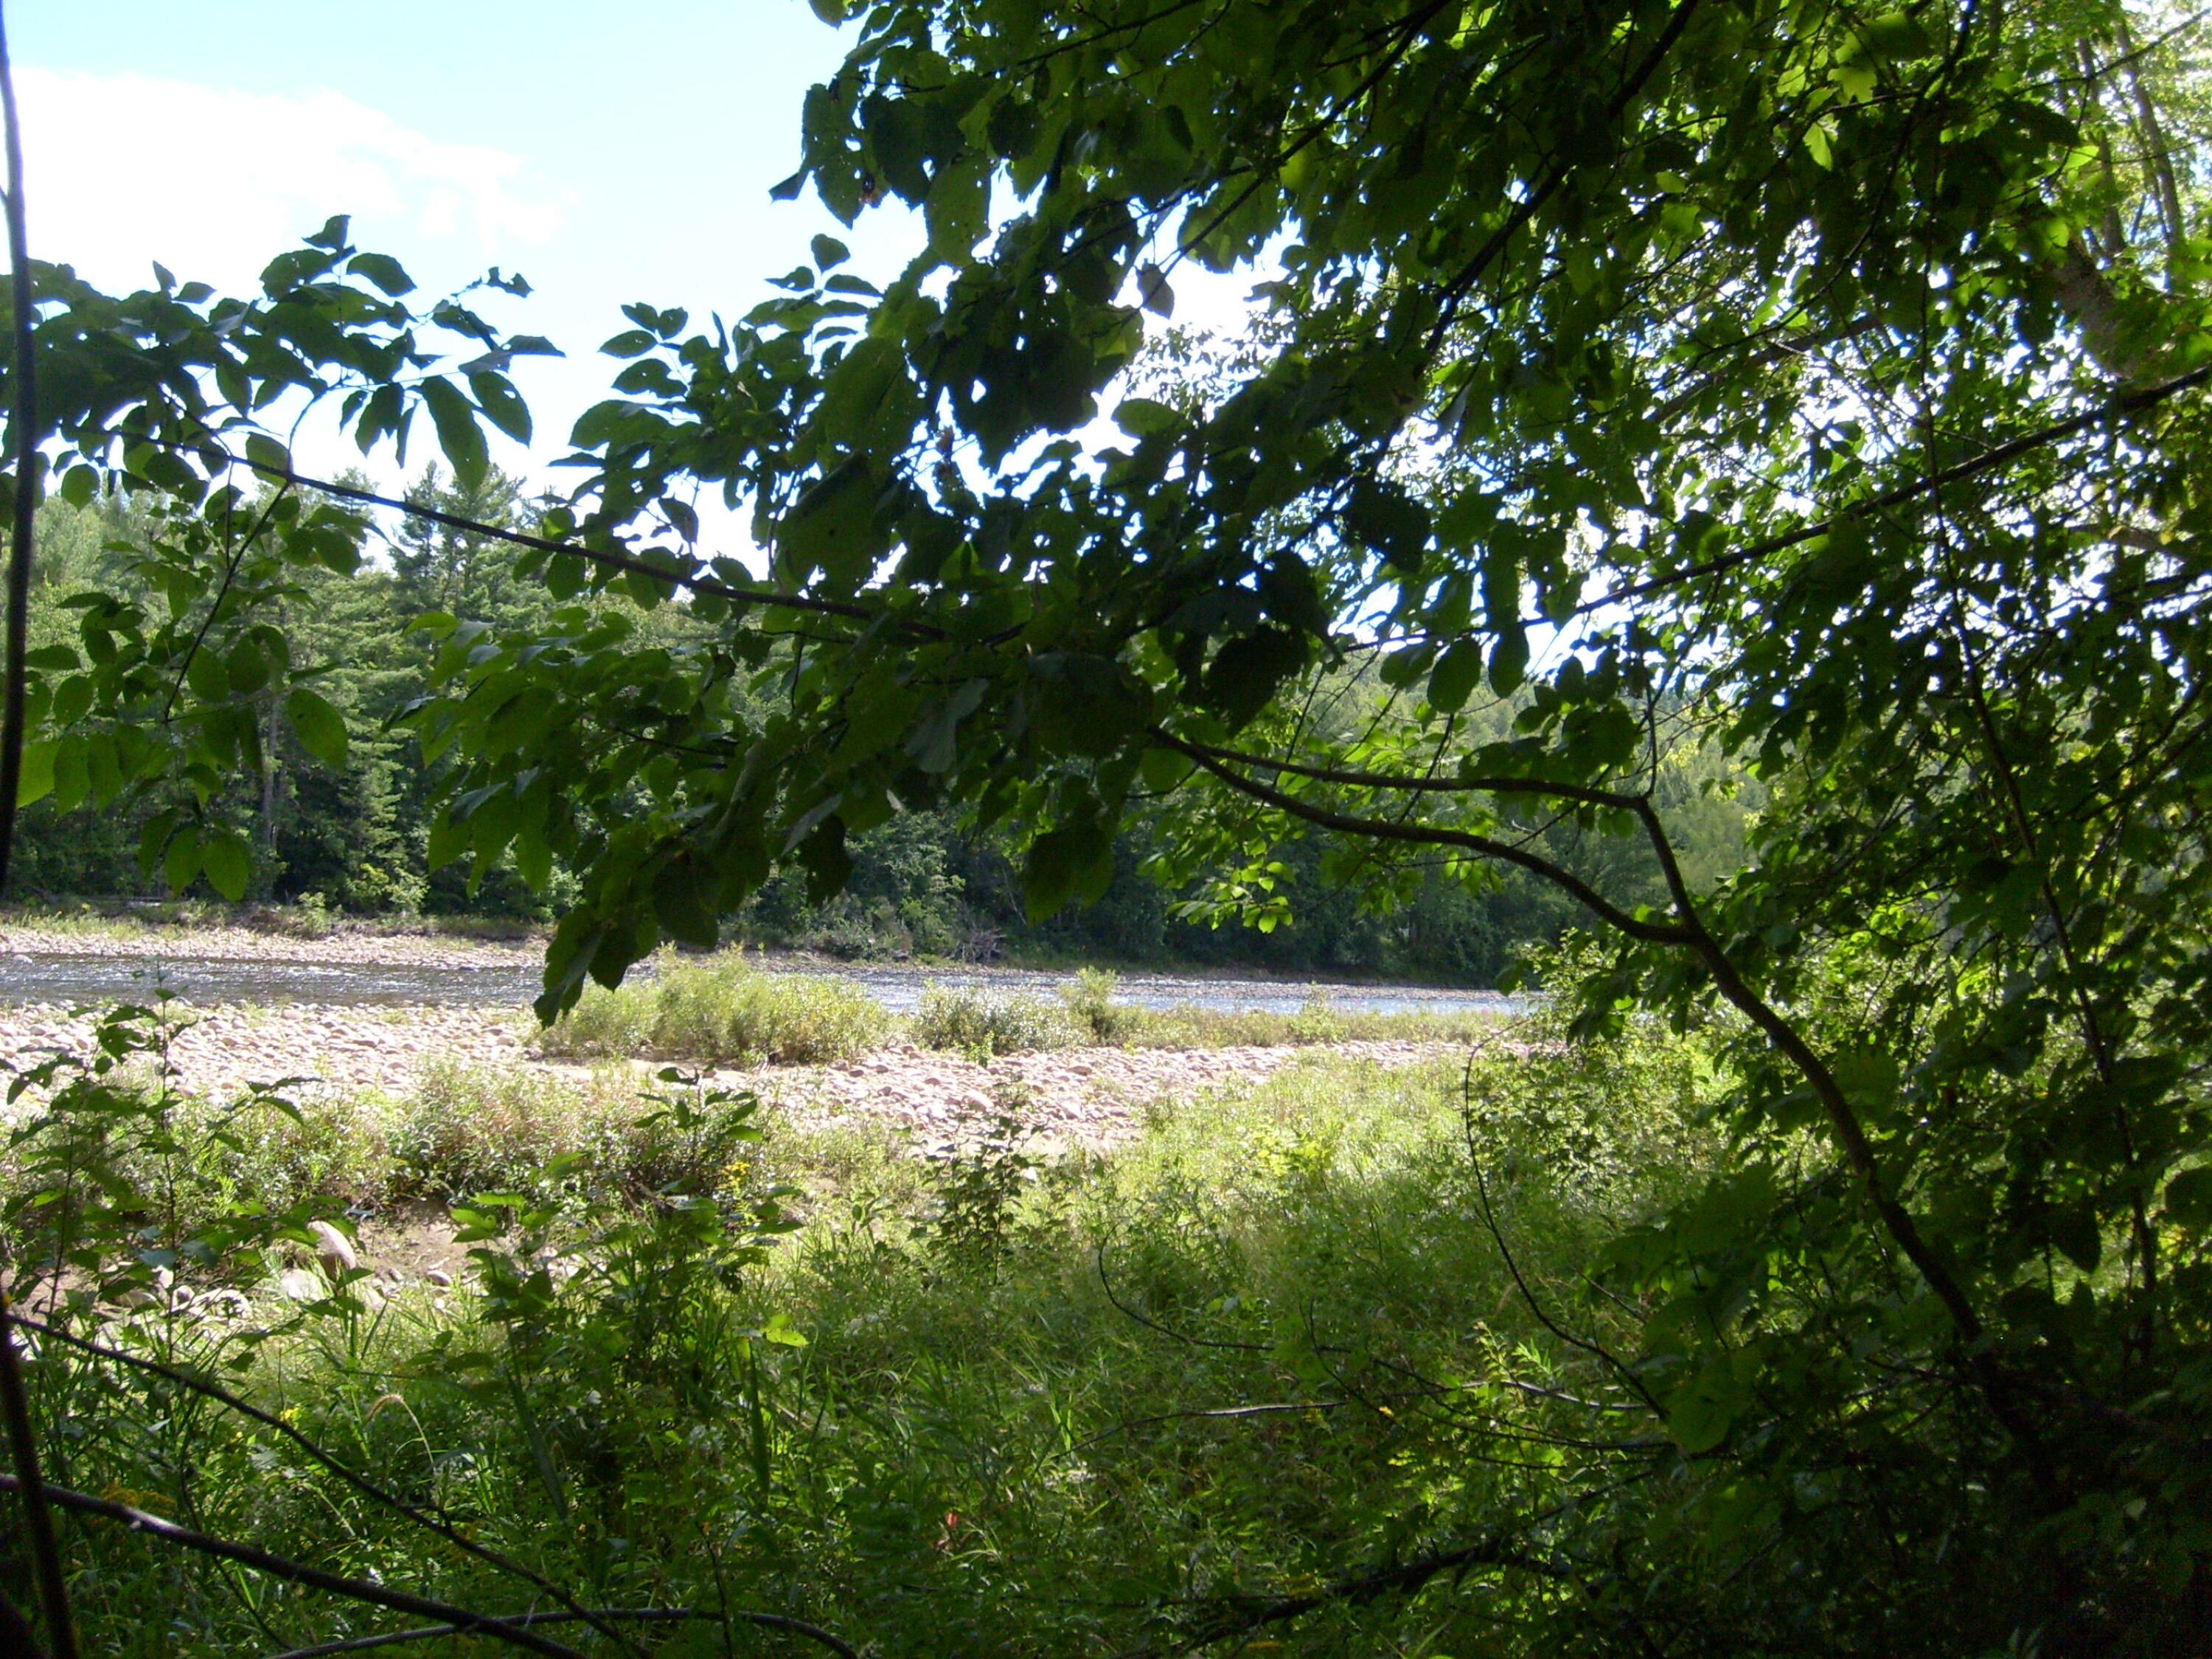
<point>1001,1438</point>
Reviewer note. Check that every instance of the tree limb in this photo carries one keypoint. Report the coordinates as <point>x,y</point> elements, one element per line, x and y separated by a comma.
<point>2129,403</point>
<point>359,1482</point>
<point>299,1572</point>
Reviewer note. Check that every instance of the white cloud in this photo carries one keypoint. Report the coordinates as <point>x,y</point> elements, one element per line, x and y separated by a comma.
<point>126,169</point>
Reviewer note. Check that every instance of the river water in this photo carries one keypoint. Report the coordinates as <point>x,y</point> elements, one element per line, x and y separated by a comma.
<point>77,979</point>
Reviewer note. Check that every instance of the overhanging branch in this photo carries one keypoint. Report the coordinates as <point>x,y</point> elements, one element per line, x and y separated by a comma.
<point>2132,403</point>
<point>1637,928</point>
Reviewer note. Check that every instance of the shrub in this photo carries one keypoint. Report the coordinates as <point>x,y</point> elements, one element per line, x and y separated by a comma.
<point>1318,1021</point>
<point>979,1023</point>
<point>472,1128</point>
<point>719,1013</point>
<point>604,1024</point>
<point>1090,1005</point>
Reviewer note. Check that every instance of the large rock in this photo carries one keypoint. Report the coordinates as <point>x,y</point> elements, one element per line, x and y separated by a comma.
<point>333,1249</point>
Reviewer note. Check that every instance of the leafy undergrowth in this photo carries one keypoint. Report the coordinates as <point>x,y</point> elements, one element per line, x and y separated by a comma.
<point>966,1404</point>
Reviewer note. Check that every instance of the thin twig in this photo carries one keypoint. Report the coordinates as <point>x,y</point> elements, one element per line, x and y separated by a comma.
<point>2133,403</point>
<point>642,1615</point>
<point>604,557</point>
<point>299,1572</point>
<point>359,1482</point>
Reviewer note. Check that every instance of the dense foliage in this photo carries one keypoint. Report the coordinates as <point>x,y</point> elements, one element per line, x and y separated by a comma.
<point>1810,380</point>
<point>348,833</point>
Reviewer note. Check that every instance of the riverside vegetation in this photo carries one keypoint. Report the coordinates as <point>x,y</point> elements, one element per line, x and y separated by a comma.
<point>1651,414</point>
<point>976,1402</point>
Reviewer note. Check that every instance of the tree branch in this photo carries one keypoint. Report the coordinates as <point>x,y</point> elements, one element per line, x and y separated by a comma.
<point>1463,785</point>
<point>1650,932</point>
<point>299,1572</point>
<point>2132,403</point>
<point>643,1615</point>
<point>359,1482</point>
<point>606,558</point>
<point>23,424</point>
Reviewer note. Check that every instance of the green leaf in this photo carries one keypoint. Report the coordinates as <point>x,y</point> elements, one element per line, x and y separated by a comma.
<point>1454,678</point>
<point>321,728</point>
<point>1068,863</point>
<point>1153,292</point>
<point>180,859</point>
<point>835,527</point>
<point>265,451</point>
<point>1508,660</point>
<point>958,209</point>
<point>2188,1198</point>
<point>1700,1411</point>
<point>458,435</point>
<point>1164,769</point>
<point>207,677</point>
<point>829,252</point>
<point>384,270</point>
<point>228,863</point>
<point>502,405</point>
<point>781,1331</point>
<point>1390,521</point>
<point>1143,418</point>
<point>36,780</point>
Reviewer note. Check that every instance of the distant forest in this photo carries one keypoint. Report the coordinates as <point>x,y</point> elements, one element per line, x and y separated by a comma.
<point>356,840</point>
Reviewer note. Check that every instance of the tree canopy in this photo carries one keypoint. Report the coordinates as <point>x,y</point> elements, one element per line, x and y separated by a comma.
<point>1812,380</point>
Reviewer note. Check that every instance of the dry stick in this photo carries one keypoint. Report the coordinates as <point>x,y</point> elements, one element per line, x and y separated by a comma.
<point>299,1572</point>
<point>14,1399</point>
<point>644,1615</point>
<point>358,1481</point>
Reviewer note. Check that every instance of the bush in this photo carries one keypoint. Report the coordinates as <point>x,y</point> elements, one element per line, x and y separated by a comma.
<point>1090,1005</point>
<point>473,1129</point>
<point>605,1024</point>
<point>722,1014</point>
<point>979,1023</point>
<point>1318,1021</point>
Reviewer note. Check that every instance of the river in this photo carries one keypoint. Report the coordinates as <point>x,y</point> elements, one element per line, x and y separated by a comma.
<point>74,978</point>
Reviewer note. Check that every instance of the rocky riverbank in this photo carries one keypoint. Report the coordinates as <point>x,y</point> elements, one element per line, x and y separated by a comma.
<point>339,947</point>
<point>1091,1097</point>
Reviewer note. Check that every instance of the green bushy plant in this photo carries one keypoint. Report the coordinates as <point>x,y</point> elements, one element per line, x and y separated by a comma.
<point>117,1185</point>
<point>982,1023</point>
<point>605,1024</point>
<point>978,1183</point>
<point>471,1128</point>
<point>721,1012</point>
<point>1090,1005</point>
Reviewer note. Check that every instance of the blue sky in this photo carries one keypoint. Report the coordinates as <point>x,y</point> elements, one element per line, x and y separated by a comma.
<point>609,153</point>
